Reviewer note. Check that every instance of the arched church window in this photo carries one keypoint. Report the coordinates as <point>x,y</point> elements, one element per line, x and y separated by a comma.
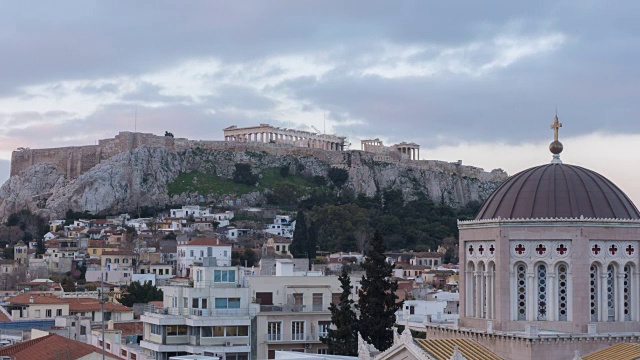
<point>521,278</point>
<point>593,281</point>
<point>542,291</point>
<point>627,293</point>
<point>611,298</point>
<point>562,292</point>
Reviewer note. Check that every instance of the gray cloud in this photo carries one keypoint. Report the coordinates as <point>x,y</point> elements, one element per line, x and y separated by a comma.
<point>591,77</point>
<point>5,167</point>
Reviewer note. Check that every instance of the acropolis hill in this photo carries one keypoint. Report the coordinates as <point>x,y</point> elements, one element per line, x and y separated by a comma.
<point>140,169</point>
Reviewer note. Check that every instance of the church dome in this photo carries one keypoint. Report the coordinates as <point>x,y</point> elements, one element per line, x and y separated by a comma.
<point>558,190</point>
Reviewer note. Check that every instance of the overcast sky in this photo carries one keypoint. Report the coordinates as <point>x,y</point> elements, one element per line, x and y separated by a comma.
<point>476,81</point>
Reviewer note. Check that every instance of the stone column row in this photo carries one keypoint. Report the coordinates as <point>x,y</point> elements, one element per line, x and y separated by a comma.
<point>283,138</point>
<point>414,153</point>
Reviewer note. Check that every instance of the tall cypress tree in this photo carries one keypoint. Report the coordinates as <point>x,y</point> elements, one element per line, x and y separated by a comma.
<point>378,300</point>
<point>343,340</point>
<point>298,246</point>
<point>312,242</point>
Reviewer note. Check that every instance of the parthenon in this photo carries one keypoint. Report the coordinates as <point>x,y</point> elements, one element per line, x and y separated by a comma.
<point>266,133</point>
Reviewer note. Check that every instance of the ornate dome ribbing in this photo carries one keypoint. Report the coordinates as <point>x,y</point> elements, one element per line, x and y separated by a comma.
<point>558,191</point>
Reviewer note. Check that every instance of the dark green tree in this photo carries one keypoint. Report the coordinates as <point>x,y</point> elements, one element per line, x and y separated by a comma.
<point>312,241</point>
<point>343,340</point>
<point>378,300</point>
<point>338,176</point>
<point>243,175</point>
<point>300,240</point>
<point>138,293</point>
<point>247,256</point>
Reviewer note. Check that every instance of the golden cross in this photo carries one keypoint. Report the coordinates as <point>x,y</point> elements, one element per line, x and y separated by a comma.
<point>556,126</point>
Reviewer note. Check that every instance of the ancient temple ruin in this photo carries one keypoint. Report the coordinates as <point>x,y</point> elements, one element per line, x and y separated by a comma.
<point>265,133</point>
<point>406,151</point>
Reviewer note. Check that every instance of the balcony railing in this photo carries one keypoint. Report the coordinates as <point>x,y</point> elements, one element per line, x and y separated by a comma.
<point>199,312</point>
<point>271,338</point>
<point>291,308</point>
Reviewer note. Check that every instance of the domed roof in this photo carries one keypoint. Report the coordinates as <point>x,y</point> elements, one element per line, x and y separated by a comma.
<point>558,190</point>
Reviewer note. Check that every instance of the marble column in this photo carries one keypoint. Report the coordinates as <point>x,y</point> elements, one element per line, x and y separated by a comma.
<point>478,293</point>
<point>532,309</point>
<point>620,296</point>
<point>552,298</point>
<point>487,290</point>
<point>602,303</point>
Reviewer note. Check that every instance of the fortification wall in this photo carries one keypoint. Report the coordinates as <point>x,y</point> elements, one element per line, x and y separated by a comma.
<point>76,160</point>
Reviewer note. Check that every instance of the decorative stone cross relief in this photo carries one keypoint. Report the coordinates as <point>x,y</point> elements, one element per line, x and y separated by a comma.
<point>630,250</point>
<point>491,249</point>
<point>561,249</point>
<point>520,249</point>
<point>541,249</point>
<point>596,249</point>
<point>470,249</point>
<point>613,249</point>
<point>481,249</point>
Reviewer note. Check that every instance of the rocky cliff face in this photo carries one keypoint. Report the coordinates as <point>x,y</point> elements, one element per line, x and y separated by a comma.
<point>142,177</point>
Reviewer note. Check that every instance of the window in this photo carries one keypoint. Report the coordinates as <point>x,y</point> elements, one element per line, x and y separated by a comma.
<point>37,315</point>
<point>627,293</point>
<point>94,251</point>
<point>48,313</point>
<point>176,330</point>
<point>116,260</point>
<point>59,312</point>
<point>236,356</point>
<point>156,329</point>
<point>225,253</point>
<point>236,331</point>
<point>274,331</point>
<point>203,303</point>
<point>611,294</point>
<point>227,303</point>
<point>224,276</point>
<point>542,292</point>
<point>125,261</point>
<point>521,279</point>
<point>562,292</point>
<point>191,253</point>
<point>207,331</point>
<point>83,330</point>
<point>335,298</point>
<point>412,310</point>
<point>218,331</point>
<point>201,253</point>
<point>297,299</point>
<point>317,302</point>
<point>323,328</point>
<point>123,353</point>
<point>297,330</point>
<point>195,303</point>
<point>593,281</point>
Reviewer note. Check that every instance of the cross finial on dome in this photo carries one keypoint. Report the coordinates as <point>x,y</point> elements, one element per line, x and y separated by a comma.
<point>556,146</point>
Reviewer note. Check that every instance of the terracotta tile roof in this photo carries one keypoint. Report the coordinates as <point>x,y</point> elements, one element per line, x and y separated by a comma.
<point>442,349</point>
<point>50,347</point>
<point>89,304</point>
<point>25,299</point>
<point>621,351</point>
<point>204,242</point>
<point>4,317</point>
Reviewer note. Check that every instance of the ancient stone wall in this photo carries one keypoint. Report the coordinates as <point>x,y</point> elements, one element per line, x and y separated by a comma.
<point>76,160</point>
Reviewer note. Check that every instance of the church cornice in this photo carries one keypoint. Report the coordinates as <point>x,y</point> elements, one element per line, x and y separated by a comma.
<point>547,222</point>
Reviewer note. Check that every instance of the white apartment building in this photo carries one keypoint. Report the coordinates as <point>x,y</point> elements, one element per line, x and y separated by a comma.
<point>210,315</point>
<point>294,309</point>
<point>189,210</point>
<point>189,252</point>
<point>283,225</point>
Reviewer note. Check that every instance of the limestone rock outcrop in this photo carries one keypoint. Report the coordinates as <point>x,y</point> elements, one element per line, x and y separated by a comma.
<point>141,177</point>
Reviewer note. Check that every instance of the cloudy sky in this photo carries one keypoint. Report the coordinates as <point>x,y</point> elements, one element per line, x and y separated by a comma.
<point>476,81</point>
